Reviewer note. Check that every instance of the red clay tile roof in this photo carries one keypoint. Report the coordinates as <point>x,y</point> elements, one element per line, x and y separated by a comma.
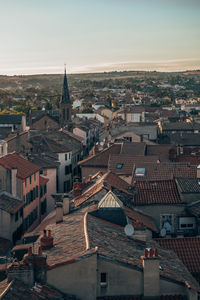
<point>159,192</point>
<point>43,181</point>
<point>128,162</point>
<point>101,159</point>
<point>9,203</point>
<point>81,234</point>
<point>140,217</point>
<point>24,167</point>
<point>187,249</point>
<point>106,182</point>
<point>133,148</point>
<point>114,245</point>
<point>160,150</point>
<point>165,171</point>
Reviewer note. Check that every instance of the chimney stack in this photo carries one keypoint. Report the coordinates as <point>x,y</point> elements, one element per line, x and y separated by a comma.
<point>151,273</point>
<point>59,212</point>
<point>65,204</point>
<point>46,242</point>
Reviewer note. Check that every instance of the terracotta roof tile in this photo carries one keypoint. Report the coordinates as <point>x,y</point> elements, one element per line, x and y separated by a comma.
<point>135,215</point>
<point>127,162</point>
<point>24,167</point>
<point>187,249</point>
<point>101,159</point>
<point>165,171</point>
<point>158,192</point>
<point>133,148</point>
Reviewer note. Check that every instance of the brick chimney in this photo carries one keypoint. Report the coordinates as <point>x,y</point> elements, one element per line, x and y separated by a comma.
<point>31,269</point>
<point>46,241</point>
<point>59,212</point>
<point>151,273</point>
<point>141,232</point>
<point>65,204</point>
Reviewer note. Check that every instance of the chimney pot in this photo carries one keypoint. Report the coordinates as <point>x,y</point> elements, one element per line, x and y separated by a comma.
<point>151,252</point>
<point>137,224</point>
<point>49,233</point>
<point>156,252</point>
<point>146,252</point>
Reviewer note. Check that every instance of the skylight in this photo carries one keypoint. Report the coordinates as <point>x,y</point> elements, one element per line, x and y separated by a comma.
<point>119,166</point>
<point>140,172</point>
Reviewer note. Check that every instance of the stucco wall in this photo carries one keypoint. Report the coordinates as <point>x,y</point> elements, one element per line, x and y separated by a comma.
<point>78,278</point>
<point>51,188</point>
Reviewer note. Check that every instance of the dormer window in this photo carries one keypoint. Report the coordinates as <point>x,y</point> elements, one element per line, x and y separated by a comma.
<point>119,166</point>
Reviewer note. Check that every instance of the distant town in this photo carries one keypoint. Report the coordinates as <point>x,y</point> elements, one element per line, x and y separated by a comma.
<point>100,186</point>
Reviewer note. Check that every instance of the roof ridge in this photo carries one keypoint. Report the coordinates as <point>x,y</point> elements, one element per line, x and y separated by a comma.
<point>86,231</point>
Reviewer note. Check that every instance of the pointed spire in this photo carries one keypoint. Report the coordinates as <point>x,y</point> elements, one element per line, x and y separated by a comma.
<point>65,92</point>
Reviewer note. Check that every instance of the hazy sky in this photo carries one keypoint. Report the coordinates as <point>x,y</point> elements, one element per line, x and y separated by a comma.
<point>39,36</point>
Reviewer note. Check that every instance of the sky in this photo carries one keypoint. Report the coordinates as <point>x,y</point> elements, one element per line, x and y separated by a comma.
<point>40,36</point>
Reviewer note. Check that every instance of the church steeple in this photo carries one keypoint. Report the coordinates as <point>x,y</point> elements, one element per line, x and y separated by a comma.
<point>65,104</point>
<point>65,91</point>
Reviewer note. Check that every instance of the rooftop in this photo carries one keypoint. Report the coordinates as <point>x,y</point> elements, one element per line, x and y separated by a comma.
<point>24,167</point>
<point>9,203</point>
<point>156,192</point>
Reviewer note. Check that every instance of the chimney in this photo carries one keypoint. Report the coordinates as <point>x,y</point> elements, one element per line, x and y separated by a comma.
<point>14,182</point>
<point>46,241</point>
<point>65,204</point>
<point>141,232</point>
<point>151,273</point>
<point>59,212</point>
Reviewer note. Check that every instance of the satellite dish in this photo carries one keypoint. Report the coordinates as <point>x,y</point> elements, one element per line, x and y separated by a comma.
<point>129,230</point>
<point>163,232</point>
<point>167,226</point>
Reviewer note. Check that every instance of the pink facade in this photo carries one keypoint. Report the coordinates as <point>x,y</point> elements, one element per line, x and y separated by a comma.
<point>31,197</point>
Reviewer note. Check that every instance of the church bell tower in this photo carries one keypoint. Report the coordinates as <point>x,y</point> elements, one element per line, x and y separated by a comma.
<point>65,104</point>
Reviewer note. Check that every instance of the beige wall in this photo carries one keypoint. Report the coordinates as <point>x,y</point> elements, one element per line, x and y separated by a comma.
<point>121,280</point>
<point>78,278</point>
<point>51,188</point>
<point>8,224</point>
<point>82,278</point>
<point>156,210</point>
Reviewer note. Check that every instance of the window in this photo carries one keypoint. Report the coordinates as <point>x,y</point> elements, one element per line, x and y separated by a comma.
<point>43,206</point>
<point>140,172</point>
<point>103,280</point>
<point>30,179</point>
<point>167,222</point>
<point>186,223</point>
<point>65,156</point>
<point>45,189</point>
<point>119,166</point>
